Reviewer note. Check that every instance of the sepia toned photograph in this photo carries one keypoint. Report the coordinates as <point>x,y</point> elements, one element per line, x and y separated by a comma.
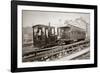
<point>52,36</point>
<point>55,36</point>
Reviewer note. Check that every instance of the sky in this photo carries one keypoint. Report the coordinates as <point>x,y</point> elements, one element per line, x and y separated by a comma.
<point>56,19</point>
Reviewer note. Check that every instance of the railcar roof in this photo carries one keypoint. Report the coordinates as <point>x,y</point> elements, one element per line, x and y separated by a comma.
<point>64,27</point>
<point>76,27</point>
<point>69,26</point>
<point>42,25</point>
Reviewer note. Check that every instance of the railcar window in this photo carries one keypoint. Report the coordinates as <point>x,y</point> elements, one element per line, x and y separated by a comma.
<point>47,33</point>
<point>58,31</point>
<point>39,32</point>
<point>52,31</point>
<point>43,30</point>
<point>35,30</point>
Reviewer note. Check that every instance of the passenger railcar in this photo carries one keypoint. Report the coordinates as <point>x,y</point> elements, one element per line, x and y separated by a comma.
<point>43,36</point>
<point>69,34</point>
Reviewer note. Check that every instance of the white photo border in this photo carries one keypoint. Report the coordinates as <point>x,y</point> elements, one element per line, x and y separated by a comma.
<point>52,63</point>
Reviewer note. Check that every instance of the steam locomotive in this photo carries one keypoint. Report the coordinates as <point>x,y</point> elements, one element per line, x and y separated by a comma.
<point>45,36</point>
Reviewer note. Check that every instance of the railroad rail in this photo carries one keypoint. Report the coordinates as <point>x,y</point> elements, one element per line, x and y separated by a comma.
<point>56,52</point>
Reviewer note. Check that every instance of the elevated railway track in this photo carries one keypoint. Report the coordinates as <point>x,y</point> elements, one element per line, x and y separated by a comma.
<point>56,52</point>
